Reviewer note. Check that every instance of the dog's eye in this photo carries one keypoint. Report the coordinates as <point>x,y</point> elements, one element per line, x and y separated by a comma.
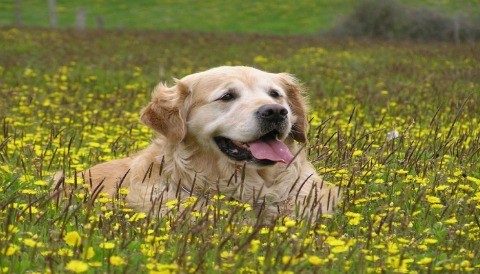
<point>274,93</point>
<point>228,96</point>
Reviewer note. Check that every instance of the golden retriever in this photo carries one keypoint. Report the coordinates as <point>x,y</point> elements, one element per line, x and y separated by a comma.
<point>236,131</point>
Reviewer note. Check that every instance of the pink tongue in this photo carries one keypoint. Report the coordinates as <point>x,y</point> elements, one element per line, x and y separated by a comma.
<point>273,150</point>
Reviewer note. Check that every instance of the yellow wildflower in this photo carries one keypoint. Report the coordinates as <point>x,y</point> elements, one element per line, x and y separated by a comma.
<point>107,245</point>
<point>72,238</point>
<point>116,260</point>
<point>77,266</point>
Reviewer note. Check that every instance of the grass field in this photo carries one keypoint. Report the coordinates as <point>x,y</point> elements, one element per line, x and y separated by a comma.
<point>234,16</point>
<point>395,124</point>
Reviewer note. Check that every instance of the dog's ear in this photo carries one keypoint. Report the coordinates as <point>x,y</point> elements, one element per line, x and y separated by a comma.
<point>165,113</point>
<point>298,106</point>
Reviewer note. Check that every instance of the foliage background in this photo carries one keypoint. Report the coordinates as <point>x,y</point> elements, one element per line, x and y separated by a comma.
<point>235,16</point>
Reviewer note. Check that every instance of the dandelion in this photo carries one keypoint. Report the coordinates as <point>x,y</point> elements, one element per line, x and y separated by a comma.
<point>107,245</point>
<point>430,241</point>
<point>450,221</point>
<point>10,250</point>
<point>372,258</point>
<point>40,183</point>
<point>339,249</point>
<point>137,216</point>
<point>95,264</point>
<point>432,199</point>
<point>254,244</point>
<point>172,204</point>
<point>29,191</point>
<point>89,253</point>
<point>116,260</point>
<point>354,218</point>
<point>123,191</point>
<point>473,180</point>
<point>290,223</point>
<point>402,172</point>
<point>315,260</point>
<point>6,168</point>
<point>392,248</point>
<point>72,238</point>
<point>77,266</point>
<point>32,243</point>
<point>334,241</point>
<point>65,252</point>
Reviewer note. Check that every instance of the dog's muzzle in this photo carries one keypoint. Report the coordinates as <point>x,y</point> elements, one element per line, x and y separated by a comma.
<point>267,149</point>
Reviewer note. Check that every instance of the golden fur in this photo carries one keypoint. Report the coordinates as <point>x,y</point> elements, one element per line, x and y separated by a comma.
<point>185,160</point>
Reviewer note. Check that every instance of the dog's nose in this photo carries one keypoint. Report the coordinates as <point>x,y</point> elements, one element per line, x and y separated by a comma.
<point>272,113</point>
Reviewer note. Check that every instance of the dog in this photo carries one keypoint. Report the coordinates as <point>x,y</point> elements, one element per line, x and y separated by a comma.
<point>231,130</point>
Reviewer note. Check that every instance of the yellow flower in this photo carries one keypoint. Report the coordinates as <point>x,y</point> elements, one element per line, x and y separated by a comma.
<point>315,260</point>
<point>95,264</point>
<point>123,191</point>
<point>401,171</point>
<point>392,248</point>
<point>334,242</point>
<point>107,245</point>
<point>290,223</point>
<point>89,253</point>
<point>7,169</point>
<point>32,243</point>
<point>40,183</point>
<point>65,252</point>
<point>10,250</point>
<point>451,221</point>
<point>430,241</point>
<point>340,249</point>
<point>77,266</point>
<point>425,261</point>
<point>162,268</point>
<point>372,258</point>
<point>433,199</point>
<point>437,206</point>
<point>355,218</point>
<point>357,153</point>
<point>254,244</point>
<point>137,216</point>
<point>72,238</point>
<point>473,180</point>
<point>29,191</point>
<point>116,260</point>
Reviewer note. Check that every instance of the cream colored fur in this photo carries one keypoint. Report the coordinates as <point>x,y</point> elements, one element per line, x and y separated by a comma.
<point>184,160</point>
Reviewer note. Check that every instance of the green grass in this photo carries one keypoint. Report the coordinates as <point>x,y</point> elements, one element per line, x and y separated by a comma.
<point>412,203</point>
<point>235,16</point>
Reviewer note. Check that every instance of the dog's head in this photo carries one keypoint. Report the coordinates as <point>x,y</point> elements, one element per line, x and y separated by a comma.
<point>241,113</point>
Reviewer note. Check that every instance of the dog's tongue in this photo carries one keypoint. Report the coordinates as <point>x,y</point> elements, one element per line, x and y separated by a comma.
<point>273,150</point>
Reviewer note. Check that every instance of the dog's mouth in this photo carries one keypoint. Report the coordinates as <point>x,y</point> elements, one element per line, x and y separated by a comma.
<point>267,150</point>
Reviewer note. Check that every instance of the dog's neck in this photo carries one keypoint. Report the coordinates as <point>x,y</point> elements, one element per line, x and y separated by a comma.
<point>198,175</point>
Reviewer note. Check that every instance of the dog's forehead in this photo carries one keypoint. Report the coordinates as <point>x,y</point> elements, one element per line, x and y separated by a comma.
<point>224,77</point>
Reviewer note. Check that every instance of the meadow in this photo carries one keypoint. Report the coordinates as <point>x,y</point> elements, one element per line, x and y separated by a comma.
<point>233,16</point>
<point>396,125</point>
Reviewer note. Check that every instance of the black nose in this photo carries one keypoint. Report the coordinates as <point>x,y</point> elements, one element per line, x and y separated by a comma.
<point>272,113</point>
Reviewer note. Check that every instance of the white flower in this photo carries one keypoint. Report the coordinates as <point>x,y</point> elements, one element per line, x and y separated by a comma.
<point>392,135</point>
